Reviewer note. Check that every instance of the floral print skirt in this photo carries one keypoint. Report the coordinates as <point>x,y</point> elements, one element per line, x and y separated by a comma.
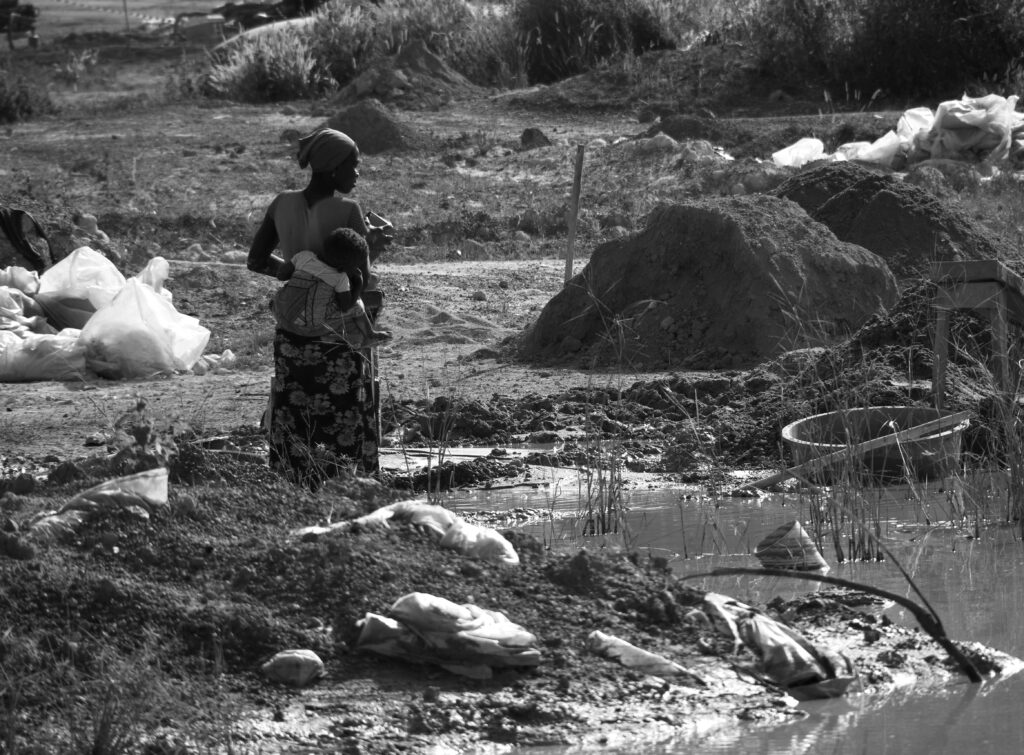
<point>322,414</point>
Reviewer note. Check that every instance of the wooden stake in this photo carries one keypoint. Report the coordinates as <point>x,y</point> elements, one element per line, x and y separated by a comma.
<point>574,211</point>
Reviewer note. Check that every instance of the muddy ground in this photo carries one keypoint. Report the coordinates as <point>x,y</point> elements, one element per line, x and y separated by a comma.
<point>158,624</point>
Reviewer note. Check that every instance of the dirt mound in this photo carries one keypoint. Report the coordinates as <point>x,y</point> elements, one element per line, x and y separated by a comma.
<point>414,79</point>
<point>712,284</point>
<point>815,185</point>
<point>907,225</point>
<point>376,129</point>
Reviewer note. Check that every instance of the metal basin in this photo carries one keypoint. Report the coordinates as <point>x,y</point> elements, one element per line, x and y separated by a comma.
<point>930,457</point>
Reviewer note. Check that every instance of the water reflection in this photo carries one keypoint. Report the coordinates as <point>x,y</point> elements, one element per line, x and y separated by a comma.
<point>973,577</point>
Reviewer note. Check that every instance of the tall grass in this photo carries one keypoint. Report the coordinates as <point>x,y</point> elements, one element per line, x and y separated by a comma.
<point>268,68</point>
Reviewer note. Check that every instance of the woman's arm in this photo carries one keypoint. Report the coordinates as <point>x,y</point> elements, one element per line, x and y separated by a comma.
<point>261,253</point>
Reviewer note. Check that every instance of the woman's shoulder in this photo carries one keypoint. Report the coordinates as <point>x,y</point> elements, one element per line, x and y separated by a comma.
<point>286,201</point>
<point>335,203</point>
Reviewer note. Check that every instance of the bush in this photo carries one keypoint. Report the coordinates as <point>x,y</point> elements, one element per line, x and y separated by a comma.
<point>904,47</point>
<point>566,37</point>
<point>916,48</point>
<point>489,52</point>
<point>21,101</point>
<point>268,68</point>
<point>350,35</point>
<point>802,41</point>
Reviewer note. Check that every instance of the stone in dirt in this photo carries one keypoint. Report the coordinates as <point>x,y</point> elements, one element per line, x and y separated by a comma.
<point>710,284</point>
<point>907,225</point>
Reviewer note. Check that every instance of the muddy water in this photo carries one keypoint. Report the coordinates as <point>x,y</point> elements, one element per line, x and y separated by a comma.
<point>973,577</point>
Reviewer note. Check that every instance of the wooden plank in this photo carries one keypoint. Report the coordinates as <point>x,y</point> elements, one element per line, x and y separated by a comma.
<point>858,449</point>
<point>969,271</point>
<point>977,295</point>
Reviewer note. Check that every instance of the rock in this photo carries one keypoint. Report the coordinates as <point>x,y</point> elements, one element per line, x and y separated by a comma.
<point>235,257</point>
<point>744,275</point>
<point>65,472</point>
<point>479,296</point>
<point>534,138</point>
<point>522,236</point>
<point>14,547</point>
<point>23,484</point>
<point>296,668</point>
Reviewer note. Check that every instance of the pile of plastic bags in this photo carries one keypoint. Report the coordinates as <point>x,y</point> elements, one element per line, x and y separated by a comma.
<point>976,129</point>
<point>82,316</point>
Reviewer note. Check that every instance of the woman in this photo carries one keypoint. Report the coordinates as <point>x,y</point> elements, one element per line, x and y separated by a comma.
<point>322,413</point>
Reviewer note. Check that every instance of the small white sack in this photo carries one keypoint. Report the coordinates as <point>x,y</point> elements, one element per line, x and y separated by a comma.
<point>484,543</point>
<point>294,667</point>
<point>140,333</point>
<point>802,152</point>
<point>83,274</point>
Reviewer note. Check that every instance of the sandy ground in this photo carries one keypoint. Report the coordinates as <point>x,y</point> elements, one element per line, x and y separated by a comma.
<point>448,319</point>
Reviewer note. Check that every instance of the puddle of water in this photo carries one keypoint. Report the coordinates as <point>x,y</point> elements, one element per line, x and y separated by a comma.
<point>975,584</point>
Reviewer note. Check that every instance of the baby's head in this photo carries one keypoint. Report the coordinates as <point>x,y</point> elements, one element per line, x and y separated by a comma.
<point>344,249</point>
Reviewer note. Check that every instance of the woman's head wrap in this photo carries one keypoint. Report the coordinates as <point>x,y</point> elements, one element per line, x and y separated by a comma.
<point>324,150</point>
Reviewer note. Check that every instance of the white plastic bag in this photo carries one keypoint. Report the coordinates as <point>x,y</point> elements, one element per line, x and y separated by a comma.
<point>484,543</point>
<point>40,357</point>
<point>83,274</point>
<point>802,152</point>
<point>880,151</point>
<point>140,333</point>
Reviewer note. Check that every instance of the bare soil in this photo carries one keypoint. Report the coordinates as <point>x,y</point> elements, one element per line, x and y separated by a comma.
<point>167,618</point>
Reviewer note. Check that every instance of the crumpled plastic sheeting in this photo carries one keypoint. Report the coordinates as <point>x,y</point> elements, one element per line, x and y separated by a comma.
<point>464,639</point>
<point>785,656</point>
<point>985,130</point>
<point>449,529</point>
<point>138,494</point>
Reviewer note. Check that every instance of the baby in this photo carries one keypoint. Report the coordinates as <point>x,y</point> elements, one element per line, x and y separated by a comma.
<point>324,294</point>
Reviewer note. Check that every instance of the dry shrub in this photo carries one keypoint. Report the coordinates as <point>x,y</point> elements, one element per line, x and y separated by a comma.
<point>21,100</point>
<point>567,37</point>
<point>268,68</point>
<point>904,47</point>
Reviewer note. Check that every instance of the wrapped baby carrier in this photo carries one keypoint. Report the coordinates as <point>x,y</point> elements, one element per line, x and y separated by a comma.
<point>305,306</point>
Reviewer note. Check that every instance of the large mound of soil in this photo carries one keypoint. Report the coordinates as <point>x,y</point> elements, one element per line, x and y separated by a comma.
<point>715,283</point>
<point>907,225</point>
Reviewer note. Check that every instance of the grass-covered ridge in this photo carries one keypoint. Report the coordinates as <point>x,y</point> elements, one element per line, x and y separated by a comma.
<point>901,47</point>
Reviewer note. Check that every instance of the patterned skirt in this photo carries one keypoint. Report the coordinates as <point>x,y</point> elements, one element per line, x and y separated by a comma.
<point>322,414</point>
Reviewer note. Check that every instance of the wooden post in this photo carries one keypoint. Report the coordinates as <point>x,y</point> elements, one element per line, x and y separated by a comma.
<point>127,28</point>
<point>941,357</point>
<point>574,211</point>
